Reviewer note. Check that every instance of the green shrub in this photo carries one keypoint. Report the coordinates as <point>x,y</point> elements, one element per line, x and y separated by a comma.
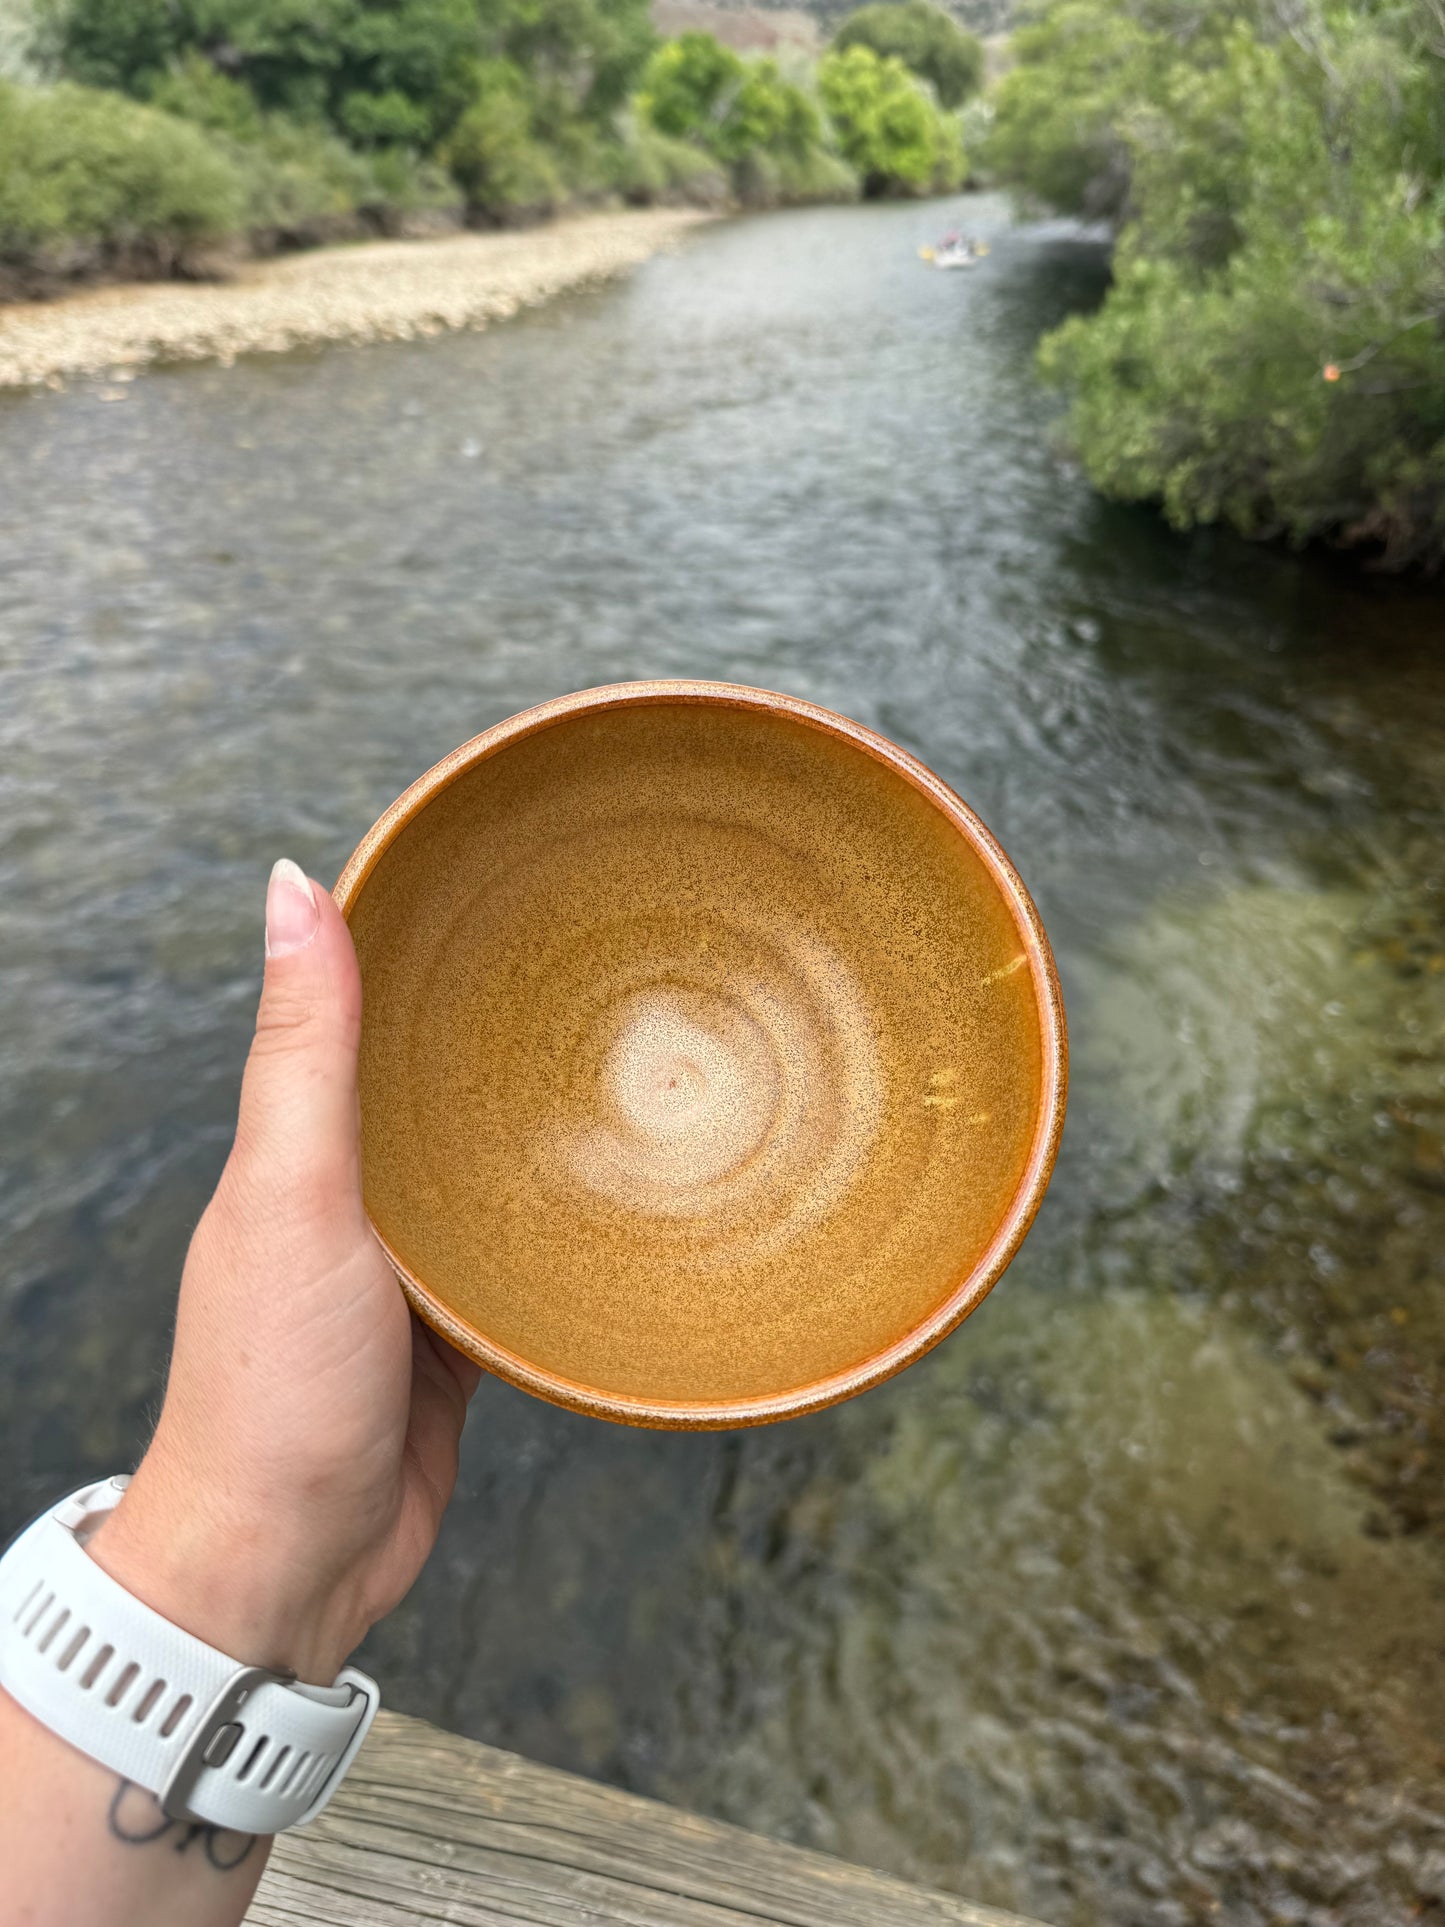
<point>688,88</point>
<point>194,90</point>
<point>928,41</point>
<point>648,166</point>
<point>398,71</point>
<point>300,180</point>
<point>1060,113</point>
<point>1272,351</point>
<point>492,153</point>
<point>769,115</point>
<point>408,184</point>
<point>583,155</point>
<point>378,72</point>
<point>81,165</point>
<point>386,119</point>
<point>816,176</point>
<point>763,127</point>
<point>785,180</point>
<point>697,90</point>
<point>889,130</point>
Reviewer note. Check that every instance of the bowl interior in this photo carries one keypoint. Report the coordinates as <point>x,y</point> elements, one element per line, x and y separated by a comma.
<point>705,1054</point>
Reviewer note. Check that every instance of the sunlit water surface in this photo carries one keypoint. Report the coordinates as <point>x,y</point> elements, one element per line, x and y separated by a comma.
<point>1128,1605</point>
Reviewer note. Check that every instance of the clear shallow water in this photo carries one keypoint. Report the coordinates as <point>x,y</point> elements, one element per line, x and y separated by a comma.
<point>1127,1606</point>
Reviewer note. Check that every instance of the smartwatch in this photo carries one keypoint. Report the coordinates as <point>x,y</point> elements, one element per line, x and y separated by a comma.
<point>240,1747</point>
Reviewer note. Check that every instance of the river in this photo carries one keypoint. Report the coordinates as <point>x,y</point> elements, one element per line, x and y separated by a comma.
<point>1127,1605</point>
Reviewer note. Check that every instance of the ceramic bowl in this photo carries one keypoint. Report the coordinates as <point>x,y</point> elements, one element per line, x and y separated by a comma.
<point>713,1061</point>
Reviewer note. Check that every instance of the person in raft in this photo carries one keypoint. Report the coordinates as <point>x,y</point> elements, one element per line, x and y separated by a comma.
<point>172,1649</point>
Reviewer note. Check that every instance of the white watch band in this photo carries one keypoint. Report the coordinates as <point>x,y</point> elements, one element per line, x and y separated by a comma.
<point>239,1747</point>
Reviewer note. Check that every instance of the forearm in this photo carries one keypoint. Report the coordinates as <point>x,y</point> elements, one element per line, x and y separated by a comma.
<point>81,1848</point>
<point>80,1845</point>
<point>295,1483</point>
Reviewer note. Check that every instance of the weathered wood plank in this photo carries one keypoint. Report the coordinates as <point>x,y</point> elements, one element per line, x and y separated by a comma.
<point>432,1827</point>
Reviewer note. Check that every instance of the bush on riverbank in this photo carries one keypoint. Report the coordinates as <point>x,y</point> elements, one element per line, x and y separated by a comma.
<point>90,181</point>
<point>871,127</point>
<point>93,184</point>
<point>177,133</point>
<point>928,41</point>
<point>1272,352</point>
<point>302,182</point>
<point>379,114</point>
<point>889,130</point>
<point>763,128</point>
<point>650,169</point>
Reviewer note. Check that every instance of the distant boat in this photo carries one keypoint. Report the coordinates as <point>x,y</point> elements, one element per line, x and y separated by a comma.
<point>954,253</point>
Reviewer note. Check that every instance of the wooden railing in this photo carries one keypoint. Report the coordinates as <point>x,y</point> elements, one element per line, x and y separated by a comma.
<point>431,1827</point>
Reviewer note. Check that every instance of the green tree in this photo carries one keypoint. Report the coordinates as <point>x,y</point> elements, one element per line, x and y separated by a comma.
<point>397,71</point>
<point>492,152</point>
<point>887,128</point>
<point>381,72</point>
<point>695,89</point>
<point>589,53</point>
<point>78,164</point>
<point>689,86</point>
<point>928,41</point>
<point>770,115</point>
<point>127,45</point>
<point>1272,351</point>
<point>1061,114</point>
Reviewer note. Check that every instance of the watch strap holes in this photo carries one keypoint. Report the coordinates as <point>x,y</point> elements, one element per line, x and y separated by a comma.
<point>177,1713</point>
<point>53,1628</point>
<point>28,1600</point>
<point>40,1611</point>
<point>291,1773</point>
<point>73,1649</point>
<point>128,1678</point>
<point>248,1765</point>
<point>148,1701</point>
<point>96,1667</point>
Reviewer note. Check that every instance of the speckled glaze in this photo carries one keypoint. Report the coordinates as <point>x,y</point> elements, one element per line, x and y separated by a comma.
<point>727,1262</point>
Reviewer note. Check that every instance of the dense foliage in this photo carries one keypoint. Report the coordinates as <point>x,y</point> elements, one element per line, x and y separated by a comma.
<point>764,128</point>
<point>695,89</point>
<point>287,121</point>
<point>81,166</point>
<point>1272,352</point>
<point>376,70</point>
<point>928,41</point>
<point>888,128</point>
<point>520,93</point>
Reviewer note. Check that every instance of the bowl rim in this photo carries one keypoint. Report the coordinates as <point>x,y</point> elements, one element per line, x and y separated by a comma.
<point>972,1287</point>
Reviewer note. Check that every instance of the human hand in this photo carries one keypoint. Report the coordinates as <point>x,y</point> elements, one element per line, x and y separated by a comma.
<point>307,1446</point>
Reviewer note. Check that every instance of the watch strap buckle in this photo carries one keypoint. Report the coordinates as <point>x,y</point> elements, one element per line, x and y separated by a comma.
<point>234,1773</point>
<point>213,1739</point>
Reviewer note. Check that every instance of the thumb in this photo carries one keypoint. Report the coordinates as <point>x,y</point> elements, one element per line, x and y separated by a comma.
<point>298,1129</point>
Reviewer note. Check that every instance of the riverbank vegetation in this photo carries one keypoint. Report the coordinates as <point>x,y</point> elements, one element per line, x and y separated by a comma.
<point>1272,351</point>
<point>164,136</point>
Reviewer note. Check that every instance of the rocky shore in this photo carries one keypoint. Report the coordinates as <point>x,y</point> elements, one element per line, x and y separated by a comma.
<point>375,291</point>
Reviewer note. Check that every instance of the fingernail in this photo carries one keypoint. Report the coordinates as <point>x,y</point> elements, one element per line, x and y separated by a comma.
<point>291,914</point>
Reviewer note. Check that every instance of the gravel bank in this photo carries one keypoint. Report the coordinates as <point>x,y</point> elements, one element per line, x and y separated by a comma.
<point>382,290</point>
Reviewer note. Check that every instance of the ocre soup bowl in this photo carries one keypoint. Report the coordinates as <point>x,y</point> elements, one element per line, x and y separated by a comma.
<point>713,1058</point>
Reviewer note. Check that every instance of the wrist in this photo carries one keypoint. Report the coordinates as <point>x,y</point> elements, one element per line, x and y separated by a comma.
<point>237,1584</point>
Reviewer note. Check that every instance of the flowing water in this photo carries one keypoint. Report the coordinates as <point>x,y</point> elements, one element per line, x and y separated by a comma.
<point>1127,1606</point>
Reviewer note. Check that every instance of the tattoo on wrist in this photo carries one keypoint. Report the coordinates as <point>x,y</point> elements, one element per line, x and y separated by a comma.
<point>136,1819</point>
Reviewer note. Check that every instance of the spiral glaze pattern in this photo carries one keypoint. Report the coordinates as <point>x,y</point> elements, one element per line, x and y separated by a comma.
<point>739,1110</point>
<point>699,1061</point>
